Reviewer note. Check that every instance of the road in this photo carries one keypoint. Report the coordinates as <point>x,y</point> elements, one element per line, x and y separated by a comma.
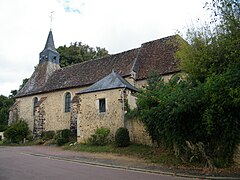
<point>18,163</point>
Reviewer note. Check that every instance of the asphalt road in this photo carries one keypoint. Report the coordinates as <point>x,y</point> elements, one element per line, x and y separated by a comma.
<point>19,164</point>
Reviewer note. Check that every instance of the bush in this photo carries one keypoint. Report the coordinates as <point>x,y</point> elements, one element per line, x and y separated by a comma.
<point>63,136</point>
<point>100,137</point>
<point>17,132</point>
<point>122,138</point>
<point>3,127</point>
<point>47,135</point>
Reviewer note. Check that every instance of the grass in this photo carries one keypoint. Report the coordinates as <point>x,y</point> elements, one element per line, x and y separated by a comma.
<point>151,154</point>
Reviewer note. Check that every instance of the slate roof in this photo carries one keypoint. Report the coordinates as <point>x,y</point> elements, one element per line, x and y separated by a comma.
<point>111,81</point>
<point>158,56</point>
<point>50,43</point>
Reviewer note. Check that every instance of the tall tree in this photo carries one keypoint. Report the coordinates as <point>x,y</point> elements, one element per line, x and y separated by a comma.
<point>78,52</point>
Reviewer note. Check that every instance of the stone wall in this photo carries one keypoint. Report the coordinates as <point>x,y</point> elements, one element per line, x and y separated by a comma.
<point>55,116</point>
<point>74,114</point>
<point>13,113</point>
<point>90,118</point>
<point>40,118</point>
<point>138,133</point>
<point>1,136</point>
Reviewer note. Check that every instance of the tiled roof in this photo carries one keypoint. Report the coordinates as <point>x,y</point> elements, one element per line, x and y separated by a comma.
<point>89,72</point>
<point>157,56</point>
<point>111,81</point>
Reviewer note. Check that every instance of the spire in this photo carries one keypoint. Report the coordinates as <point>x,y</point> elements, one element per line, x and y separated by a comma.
<point>50,42</point>
<point>49,52</point>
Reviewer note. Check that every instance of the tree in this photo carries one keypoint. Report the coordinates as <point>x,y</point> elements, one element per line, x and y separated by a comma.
<point>78,52</point>
<point>17,131</point>
<point>5,104</point>
<point>24,81</point>
<point>193,110</point>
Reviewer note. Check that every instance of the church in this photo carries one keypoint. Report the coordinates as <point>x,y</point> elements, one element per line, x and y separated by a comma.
<point>92,94</point>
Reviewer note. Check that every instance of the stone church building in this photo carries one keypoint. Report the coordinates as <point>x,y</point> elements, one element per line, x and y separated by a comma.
<point>91,94</point>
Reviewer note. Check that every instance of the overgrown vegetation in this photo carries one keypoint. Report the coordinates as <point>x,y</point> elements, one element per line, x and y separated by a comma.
<point>154,155</point>
<point>63,137</point>
<point>99,138</point>
<point>47,135</point>
<point>122,138</point>
<point>17,132</point>
<point>196,114</point>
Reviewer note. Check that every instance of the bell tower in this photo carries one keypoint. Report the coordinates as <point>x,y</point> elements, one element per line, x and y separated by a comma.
<point>49,53</point>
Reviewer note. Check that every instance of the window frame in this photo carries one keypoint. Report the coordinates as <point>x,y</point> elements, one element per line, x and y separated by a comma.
<point>102,105</point>
<point>35,101</point>
<point>67,102</point>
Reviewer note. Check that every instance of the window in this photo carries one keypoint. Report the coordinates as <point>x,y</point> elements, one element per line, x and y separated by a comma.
<point>102,105</point>
<point>67,102</point>
<point>35,100</point>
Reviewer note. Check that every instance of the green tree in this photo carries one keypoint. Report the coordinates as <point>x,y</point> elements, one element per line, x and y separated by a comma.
<point>24,81</point>
<point>5,104</point>
<point>78,52</point>
<point>193,110</point>
<point>17,131</point>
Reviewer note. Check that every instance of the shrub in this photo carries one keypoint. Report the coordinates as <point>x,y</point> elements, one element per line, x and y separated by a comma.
<point>63,136</point>
<point>47,135</point>
<point>122,138</point>
<point>16,132</point>
<point>3,127</point>
<point>100,137</point>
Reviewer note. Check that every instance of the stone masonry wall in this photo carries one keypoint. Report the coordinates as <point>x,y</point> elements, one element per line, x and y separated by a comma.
<point>56,118</point>
<point>137,132</point>
<point>39,120</point>
<point>74,114</point>
<point>90,119</point>
<point>13,113</point>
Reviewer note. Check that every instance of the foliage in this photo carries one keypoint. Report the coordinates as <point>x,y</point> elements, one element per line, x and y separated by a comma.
<point>5,104</point>
<point>63,136</point>
<point>47,135</point>
<point>24,81</point>
<point>99,138</point>
<point>17,131</point>
<point>78,52</point>
<point>190,112</point>
<point>122,138</point>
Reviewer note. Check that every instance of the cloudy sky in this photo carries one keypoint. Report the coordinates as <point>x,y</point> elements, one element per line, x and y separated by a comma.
<point>117,25</point>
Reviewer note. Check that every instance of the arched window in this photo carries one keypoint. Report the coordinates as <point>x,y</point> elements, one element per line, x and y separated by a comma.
<point>35,100</point>
<point>67,102</point>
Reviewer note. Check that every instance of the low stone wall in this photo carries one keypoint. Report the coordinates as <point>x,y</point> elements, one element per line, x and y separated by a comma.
<point>1,136</point>
<point>236,157</point>
<point>138,133</point>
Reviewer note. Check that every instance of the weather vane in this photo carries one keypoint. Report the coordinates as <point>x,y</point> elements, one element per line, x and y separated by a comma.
<point>51,19</point>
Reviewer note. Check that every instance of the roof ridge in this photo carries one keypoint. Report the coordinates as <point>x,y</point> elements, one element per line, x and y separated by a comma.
<point>160,39</point>
<point>100,58</point>
<point>110,81</point>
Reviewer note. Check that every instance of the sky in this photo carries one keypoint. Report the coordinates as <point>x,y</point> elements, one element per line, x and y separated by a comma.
<point>117,25</point>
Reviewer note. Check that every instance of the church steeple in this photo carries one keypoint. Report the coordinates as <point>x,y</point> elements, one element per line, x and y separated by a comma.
<point>49,52</point>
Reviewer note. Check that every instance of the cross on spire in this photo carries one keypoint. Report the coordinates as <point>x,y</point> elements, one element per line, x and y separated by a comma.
<point>51,19</point>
